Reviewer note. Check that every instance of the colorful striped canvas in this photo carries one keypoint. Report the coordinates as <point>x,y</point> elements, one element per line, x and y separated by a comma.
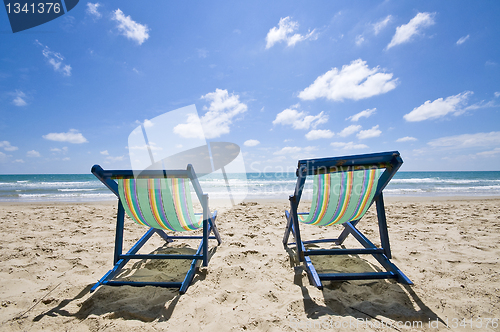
<point>341,197</point>
<point>159,203</point>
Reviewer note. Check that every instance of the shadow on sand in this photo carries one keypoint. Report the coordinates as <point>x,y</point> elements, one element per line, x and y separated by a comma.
<point>374,301</point>
<point>134,303</point>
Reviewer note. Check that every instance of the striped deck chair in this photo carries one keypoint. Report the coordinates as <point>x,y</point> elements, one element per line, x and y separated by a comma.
<point>343,190</point>
<point>161,201</point>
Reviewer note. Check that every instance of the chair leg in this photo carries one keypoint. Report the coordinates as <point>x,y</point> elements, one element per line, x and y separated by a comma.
<point>382,226</point>
<point>288,228</point>
<point>120,220</point>
<point>295,228</point>
<point>214,227</point>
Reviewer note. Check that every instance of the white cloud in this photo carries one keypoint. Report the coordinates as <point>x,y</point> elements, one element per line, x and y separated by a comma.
<point>152,146</point>
<point>363,114</point>
<point>405,32</point>
<point>359,39</point>
<point>216,122</point>
<point>406,139</point>
<point>63,150</point>
<point>348,146</point>
<point>497,94</point>
<point>92,10</point>
<point>300,120</point>
<point>489,153</point>
<point>462,40</point>
<point>294,150</point>
<point>380,25</point>
<point>105,153</point>
<point>251,142</point>
<point>7,146</point>
<point>319,133</point>
<point>33,154</point>
<point>72,136</point>
<point>55,60</point>
<point>350,130</point>
<point>129,28</point>
<point>369,133</point>
<point>354,81</point>
<point>19,99</point>
<point>19,161</point>
<point>491,139</point>
<point>439,107</point>
<point>114,159</point>
<point>284,33</point>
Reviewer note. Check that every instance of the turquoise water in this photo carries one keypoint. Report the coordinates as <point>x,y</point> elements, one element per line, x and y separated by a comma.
<point>85,187</point>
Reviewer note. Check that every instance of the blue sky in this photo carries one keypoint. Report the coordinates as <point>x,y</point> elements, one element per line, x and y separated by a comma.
<point>284,80</point>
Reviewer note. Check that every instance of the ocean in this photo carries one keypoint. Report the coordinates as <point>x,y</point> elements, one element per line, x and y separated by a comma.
<point>85,187</point>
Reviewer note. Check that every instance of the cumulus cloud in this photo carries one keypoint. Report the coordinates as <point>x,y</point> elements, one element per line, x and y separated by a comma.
<point>72,136</point>
<point>348,145</point>
<point>405,32</point>
<point>363,114</point>
<point>92,10</point>
<point>56,60</point>
<point>354,81</point>
<point>7,146</point>
<point>299,120</point>
<point>151,146</point>
<point>104,153</point>
<point>439,107</point>
<point>285,33</point>
<point>294,150</point>
<point>216,122</point>
<point>113,159</point>
<point>380,25</point>
<point>462,40</point>
<point>319,133</point>
<point>406,139</point>
<point>33,154</point>
<point>131,29</point>
<point>57,150</point>
<point>350,130</point>
<point>19,98</point>
<point>369,133</point>
<point>479,140</point>
<point>251,142</point>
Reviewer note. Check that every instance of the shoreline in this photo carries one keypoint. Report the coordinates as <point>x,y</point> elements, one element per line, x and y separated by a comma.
<point>266,200</point>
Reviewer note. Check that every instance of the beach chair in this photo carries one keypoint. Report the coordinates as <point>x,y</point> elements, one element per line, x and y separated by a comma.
<point>160,200</point>
<point>343,190</point>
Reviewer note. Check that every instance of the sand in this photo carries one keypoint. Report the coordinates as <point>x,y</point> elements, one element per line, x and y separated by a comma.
<point>52,253</point>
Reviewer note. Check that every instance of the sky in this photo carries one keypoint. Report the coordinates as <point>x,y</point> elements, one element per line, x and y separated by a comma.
<point>284,80</point>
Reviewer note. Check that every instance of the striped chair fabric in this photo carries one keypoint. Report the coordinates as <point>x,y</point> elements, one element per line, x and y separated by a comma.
<point>159,203</point>
<point>341,197</point>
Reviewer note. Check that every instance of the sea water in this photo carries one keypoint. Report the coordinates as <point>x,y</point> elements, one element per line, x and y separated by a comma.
<point>85,187</point>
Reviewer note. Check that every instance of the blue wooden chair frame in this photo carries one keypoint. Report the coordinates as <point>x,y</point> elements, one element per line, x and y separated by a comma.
<point>120,260</point>
<point>391,161</point>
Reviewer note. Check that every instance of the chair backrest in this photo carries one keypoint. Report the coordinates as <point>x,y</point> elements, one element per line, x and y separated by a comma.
<point>159,203</point>
<point>157,198</point>
<point>341,197</point>
<point>344,187</point>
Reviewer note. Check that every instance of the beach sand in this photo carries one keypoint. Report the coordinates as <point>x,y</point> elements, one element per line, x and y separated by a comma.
<point>52,253</point>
